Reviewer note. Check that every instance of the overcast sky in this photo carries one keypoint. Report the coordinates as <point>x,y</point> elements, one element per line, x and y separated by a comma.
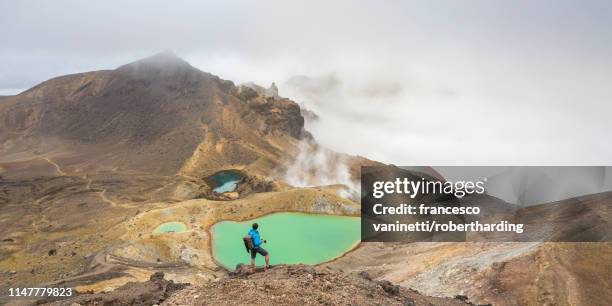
<point>412,83</point>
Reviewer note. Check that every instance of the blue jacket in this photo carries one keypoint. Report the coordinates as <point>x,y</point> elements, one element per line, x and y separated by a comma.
<point>255,236</point>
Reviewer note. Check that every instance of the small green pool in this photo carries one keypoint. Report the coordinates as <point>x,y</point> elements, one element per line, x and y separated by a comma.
<point>225,181</point>
<point>170,227</point>
<point>292,238</point>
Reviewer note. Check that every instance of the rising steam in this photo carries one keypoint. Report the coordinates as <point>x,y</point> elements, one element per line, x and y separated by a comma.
<point>318,166</point>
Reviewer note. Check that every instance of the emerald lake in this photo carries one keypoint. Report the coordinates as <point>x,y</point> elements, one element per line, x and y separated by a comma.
<point>292,238</point>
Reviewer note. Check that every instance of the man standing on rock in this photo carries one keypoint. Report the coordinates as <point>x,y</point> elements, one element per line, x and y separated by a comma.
<point>257,241</point>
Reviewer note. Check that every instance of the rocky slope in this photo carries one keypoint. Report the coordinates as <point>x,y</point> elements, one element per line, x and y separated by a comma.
<point>156,115</point>
<point>280,285</point>
<point>496,273</point>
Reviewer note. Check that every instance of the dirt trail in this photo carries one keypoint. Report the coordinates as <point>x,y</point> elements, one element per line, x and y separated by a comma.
<point>107,200</point>
<point>58,169</point>
<point>97,268</point>
<point>104,265</point>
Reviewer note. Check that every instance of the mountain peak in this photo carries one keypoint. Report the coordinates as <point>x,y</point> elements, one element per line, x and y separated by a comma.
<point>165,61</point>
<point>165,56</point>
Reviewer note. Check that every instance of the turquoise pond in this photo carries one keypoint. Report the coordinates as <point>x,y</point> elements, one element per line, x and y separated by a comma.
<point>170,227</point>
<point>225,181</point>
<point>292,238</point>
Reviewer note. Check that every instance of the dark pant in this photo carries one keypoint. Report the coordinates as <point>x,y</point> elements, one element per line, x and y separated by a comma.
<point>259,250</point>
